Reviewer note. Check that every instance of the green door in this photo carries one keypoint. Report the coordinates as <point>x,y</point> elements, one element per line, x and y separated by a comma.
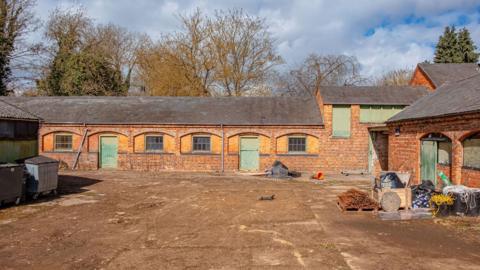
<point>108,152</point>
<point>428,161</point>
<point>249,153</point>
<point>371,139</point>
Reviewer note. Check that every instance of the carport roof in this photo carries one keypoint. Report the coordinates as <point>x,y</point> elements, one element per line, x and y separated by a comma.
<point>8,111</point>
<point>371,95</point>
<point>449,99</point>
<point>173,110</point>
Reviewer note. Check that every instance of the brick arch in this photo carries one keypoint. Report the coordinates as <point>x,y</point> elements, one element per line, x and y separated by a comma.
<point>152,132</point>
<point>47,140</point>
<point>248,133</point>
<point>61,131</point>
<point>467,134</point>
<point>233,141</point>
<point>93,140</point>
<point>199,132</point>
<point>424,135</point>
<point>139,141</point>
<point>281,142</point>
<point>107,132</point>
<point>294,133</point>
<point>186,141</point>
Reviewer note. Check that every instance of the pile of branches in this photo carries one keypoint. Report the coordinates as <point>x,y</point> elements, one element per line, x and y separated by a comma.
<point>354,199</point>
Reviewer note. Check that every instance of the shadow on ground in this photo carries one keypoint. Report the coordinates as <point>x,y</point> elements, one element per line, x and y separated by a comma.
<point>71,184</point>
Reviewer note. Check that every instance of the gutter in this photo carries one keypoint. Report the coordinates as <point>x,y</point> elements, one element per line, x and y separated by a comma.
<point>223,149</point>
<point>432,117</point>
<point>180,124</point>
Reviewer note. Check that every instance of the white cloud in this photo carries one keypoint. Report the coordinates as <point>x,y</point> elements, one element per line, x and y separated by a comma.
<point>304,26</point>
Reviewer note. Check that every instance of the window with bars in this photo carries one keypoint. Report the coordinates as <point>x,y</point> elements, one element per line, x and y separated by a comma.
<point>63,142</point>
<point>153,143</point>
<point>201,143</point>
<point>297,144</point>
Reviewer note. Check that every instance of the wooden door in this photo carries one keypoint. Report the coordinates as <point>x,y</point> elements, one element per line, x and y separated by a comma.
<point>108,152</point>
<point>428,162</point>
<point>249,153</point>
<point>371,152</point>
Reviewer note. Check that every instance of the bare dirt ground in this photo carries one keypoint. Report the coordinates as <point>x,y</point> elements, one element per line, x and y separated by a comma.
<point>132,220</point>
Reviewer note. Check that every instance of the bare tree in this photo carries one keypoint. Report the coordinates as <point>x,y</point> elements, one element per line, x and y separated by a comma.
<point>180,63</point>
<point>224,55</point>
<point>243,50</point>
<point>16,21</point>
<point>119,45</point>
<point>318,70</point>
<point>399,77</point>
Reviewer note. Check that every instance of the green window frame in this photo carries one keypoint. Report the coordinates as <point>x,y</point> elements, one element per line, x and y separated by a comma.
<point>378,113</point>
<point>471,152</point>
<point>341,121</point>
<point>63,143</point>
<point>154,143</point>
<point>201,144</point>
<point>297,144</point>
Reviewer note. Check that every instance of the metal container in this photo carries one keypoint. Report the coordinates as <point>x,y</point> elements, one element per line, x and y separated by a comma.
<point>11,183</point>
<point>43,175</point>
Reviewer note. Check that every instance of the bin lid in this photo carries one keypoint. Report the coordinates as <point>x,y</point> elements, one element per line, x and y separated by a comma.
<point>40,160</point>
<point>9,165</point>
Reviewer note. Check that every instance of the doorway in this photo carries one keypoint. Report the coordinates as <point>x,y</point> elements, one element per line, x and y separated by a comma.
<point>435,157</point>
<point>249,153</point>
<point>377,151</point>
<point>108,152</point>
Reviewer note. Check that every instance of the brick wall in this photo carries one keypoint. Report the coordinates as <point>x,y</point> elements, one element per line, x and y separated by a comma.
<point>419,78</point>
<point>178,154</point>
<point>471,177</point>
<point>350,153</point>
<point>404,150</point>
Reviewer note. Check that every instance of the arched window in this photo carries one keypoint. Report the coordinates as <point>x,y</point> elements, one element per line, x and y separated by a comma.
<point>471,151</point>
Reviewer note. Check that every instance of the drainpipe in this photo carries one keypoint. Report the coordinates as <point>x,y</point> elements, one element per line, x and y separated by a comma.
<point>223,149</point>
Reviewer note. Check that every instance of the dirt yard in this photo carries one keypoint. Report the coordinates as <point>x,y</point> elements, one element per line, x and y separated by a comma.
<point>131,220</point>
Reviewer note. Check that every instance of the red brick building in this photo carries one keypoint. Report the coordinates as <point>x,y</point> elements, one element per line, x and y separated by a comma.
<point>440,133</point>
<point>329,133</point>
<point>178,133</point>
<point>433,76</point>
<point>354,135</point>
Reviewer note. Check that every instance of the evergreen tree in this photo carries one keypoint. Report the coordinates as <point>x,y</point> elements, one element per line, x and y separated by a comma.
<point>467,47</point>
<point>78,66</point>
<point>448,50</point>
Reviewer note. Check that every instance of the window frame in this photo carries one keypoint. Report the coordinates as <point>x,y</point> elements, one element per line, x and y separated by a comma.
<point>449,153</point>
<point>154,150</point>
<point>475,136</point>
<point>296,137</point>
<point>393,109</point>
<point>339,136</point>
<point>56,149</point>
<point>209,150</point>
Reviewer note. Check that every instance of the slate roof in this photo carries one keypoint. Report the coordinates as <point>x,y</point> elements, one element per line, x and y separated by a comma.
<point>173,110</point>
<point>371,95</point>
<point>449,99</point>
<point>8,111</point>
<point>441,73</point>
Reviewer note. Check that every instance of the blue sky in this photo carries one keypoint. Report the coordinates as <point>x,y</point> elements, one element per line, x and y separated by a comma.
<point>382,34</point>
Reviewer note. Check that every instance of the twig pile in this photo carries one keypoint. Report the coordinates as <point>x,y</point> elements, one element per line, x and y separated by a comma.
<point>354,199</point>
